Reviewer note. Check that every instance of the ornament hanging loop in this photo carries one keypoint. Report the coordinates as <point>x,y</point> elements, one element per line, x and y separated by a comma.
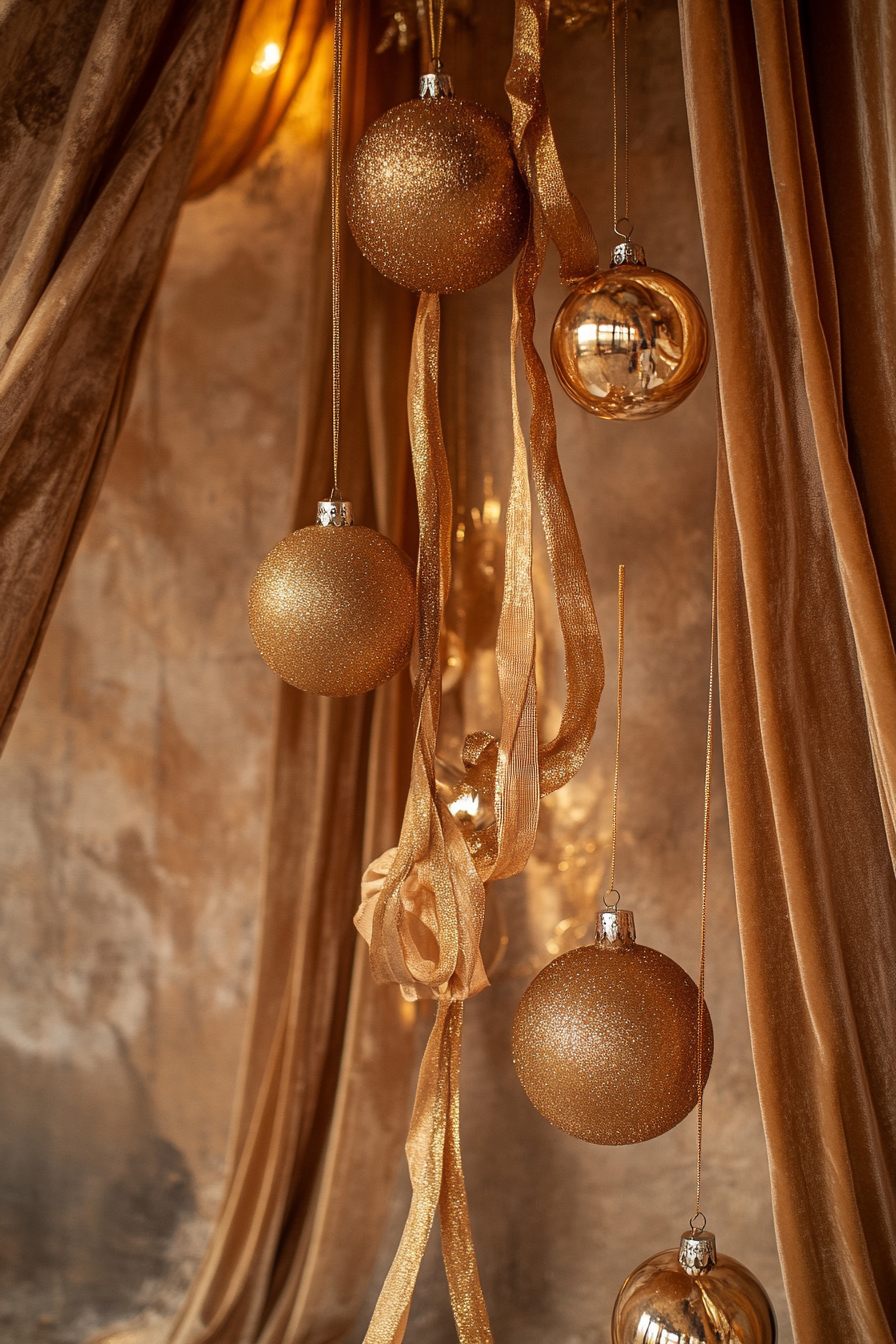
<point>623,232</point>
<point>698,1223</point>
<point>612,905</point>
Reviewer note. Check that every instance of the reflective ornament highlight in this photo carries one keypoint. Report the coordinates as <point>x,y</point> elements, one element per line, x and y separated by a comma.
<point>605,1039</point>
<point>332,607</point>
<point>434,197</point>
<point>630,343</point>
<point>692,1295</point>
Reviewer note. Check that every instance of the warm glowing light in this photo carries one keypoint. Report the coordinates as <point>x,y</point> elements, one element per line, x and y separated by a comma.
<point>491,510</point>
<point>465,806</point>
<point>268,59</point>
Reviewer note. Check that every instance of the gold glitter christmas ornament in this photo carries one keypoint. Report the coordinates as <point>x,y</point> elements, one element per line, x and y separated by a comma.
<point>435,200</point>
<point>605,1039</point>
<point>332,607</point>
<point>693,1294</point>
<point>630,343</point>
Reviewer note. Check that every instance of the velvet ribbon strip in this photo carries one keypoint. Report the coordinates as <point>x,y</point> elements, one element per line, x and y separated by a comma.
<point>423,903</point>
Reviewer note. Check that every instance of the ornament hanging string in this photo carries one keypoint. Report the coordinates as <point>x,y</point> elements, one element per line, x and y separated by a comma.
<point>336,235</point>
<point>611,886</point>
<point>435,34</point>
<point>617,218</point>
<point>707,788</point>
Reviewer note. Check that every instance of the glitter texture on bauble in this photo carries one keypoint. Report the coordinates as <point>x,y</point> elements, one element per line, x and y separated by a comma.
<point>605,1039</point>
<point>332,608</point>
<point>434,197</point>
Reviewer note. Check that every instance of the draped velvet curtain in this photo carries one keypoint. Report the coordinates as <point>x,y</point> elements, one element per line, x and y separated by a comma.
<point>101,109</point>
<point>792,112</point>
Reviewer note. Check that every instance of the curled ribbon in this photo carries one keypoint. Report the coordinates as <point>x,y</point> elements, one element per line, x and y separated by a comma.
<point>423,903</point>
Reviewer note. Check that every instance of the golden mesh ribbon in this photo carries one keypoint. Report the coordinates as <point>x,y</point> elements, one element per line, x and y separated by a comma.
<point>423,903</point>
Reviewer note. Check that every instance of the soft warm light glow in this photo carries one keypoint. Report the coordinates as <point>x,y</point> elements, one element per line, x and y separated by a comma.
<point>267,59</point>
<point>465,806</point>
<point>491,510</point>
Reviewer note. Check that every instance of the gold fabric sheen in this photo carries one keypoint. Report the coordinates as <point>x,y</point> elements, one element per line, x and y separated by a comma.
<point>784,100</point>
<point>247,106</point>
<point>100,117</point>
<point>423,903</point>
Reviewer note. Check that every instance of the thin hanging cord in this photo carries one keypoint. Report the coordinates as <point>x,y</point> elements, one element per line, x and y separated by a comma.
<point>621,608</point>
<point>336,233</point>
<point>617,218</point>
<point>435,33</point>
<point>707,785</point>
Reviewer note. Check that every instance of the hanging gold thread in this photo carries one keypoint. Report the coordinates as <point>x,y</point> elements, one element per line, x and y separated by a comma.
<point>435,33</point>
<point>616,216</point>
<point>611,887</point>
<point>707,786</point>
<point>336,233</point>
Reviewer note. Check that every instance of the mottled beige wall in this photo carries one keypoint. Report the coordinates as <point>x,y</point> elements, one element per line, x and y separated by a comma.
<point>133,789</point>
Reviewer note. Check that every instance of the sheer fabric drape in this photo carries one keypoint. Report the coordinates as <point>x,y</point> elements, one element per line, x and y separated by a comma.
<point>791,111</point>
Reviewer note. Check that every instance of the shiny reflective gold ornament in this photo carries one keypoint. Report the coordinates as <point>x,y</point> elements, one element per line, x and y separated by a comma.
<point>630,343</point>
<point>605,1039</point>
<point>694,1296</point>
<point>435,200</point>
<point>332,607</point>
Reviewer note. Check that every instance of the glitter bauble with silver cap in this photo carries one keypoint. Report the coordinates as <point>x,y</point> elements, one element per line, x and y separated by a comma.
<point>332,607</point>
<point>694,1295</point>
<point>632,342</point>
<point>434,197</point>
<point>605,1038</point>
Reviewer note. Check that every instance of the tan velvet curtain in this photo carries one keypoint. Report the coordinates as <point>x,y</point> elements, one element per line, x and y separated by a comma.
<point>100,112</point>
<point>247,105</point>
<point>325,1092</point>
<point>792,112</point>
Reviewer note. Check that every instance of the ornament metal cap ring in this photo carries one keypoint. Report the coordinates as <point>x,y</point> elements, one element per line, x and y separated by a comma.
<point>335,512</point>
<point>697,1252</point>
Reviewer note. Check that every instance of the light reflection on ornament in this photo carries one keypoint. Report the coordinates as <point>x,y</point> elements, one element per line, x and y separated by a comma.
<point>630,343</point>
<point>267,59</point>
<point>693,1295</point>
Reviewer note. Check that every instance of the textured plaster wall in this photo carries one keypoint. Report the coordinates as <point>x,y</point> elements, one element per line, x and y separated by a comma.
<point>133,789</point>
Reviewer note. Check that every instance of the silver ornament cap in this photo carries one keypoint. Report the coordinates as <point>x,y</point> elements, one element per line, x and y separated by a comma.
<point>628,254</point>
<point>616,928</point>
<point>436,85</point>
<point>697,1253</point>
<point>334,513</point>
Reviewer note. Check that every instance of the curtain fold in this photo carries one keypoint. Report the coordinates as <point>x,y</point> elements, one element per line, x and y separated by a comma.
<point>324,1095</point>
<point>268,55</point>
<point>100,114</point>
<point>801,275</point>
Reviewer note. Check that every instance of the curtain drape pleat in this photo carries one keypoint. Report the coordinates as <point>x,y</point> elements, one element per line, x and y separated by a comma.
<point>101,110</point>
<point>791,117</point>
<point>268,55</point>
<point>325,1091</point>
